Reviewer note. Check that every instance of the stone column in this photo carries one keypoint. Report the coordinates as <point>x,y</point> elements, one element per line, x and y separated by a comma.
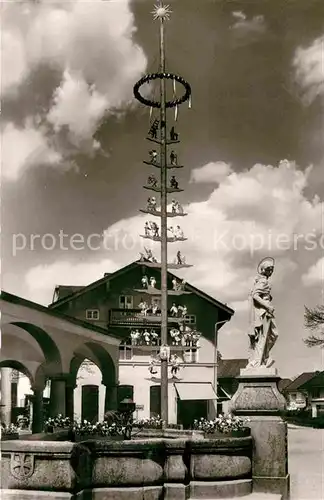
<point>101,402</point>
<point>58,395</point>
<point>6,395</point>
<point>110,397</point>
<point>38,411</point>
<point>259,399</point>
<point>78,402</point>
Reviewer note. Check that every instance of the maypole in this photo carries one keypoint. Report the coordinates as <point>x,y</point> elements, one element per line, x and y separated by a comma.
<point>162,13</point>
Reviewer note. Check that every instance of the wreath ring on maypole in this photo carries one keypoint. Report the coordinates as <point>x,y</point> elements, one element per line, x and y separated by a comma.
<point>167,76</point>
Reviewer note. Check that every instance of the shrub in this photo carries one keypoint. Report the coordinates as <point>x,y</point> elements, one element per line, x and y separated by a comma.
<point>299,413</point>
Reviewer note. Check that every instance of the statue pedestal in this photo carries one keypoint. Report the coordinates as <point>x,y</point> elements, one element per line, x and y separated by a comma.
<point>259,399</point>
<point>259,371</point>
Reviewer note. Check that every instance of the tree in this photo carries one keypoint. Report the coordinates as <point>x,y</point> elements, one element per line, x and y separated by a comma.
<point>87,368</point>
<point>314,321</point>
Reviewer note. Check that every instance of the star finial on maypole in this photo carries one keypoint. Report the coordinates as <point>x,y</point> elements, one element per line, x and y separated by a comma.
<point>161,12</point>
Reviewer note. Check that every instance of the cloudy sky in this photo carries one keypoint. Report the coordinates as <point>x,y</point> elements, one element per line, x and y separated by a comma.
<point>73,141</point>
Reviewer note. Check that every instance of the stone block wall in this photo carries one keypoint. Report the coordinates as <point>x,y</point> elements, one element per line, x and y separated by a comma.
<point>150,469</point>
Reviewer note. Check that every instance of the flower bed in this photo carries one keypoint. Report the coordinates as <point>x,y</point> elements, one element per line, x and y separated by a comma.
<point>100,430</point>
<point>9,432</point>
<point>113,429</point>
<point>149,423</point>
<point>228,425</point>
<point>54,424</point>
<point>81,431</point>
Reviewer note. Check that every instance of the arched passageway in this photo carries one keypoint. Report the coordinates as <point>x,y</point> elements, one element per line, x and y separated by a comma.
<point>19,404</point>
<point>11,371</point>
<point>31,350</point>
<point>48,347</point>
<point>93,383</point>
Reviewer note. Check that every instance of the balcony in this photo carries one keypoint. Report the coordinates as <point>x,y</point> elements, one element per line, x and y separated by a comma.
<point>134,317</point>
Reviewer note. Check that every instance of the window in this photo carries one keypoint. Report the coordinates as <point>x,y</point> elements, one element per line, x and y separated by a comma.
<point>191,356</point>
<point>125,392</point>
<point>125,352</point>
<point>190,319</point>
<point>316,392</point>
<point>92,314</point>
<point>126,302</point>
<point>300,397</point>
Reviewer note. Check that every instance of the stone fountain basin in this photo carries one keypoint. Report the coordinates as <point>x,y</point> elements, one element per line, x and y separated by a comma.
<point>159,464</point>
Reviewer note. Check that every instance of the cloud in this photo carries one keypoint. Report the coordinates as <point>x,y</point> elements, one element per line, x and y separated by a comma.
<point>213,172</point>
<point>24,147</point>
<point>246,30</point>
<point>90,47</point>
<point>249,215</point>
<point>315,274</point>
<point>309,69</point>
<point>41,280</point>
<point>240,306</point>
<point>13,64</point>
<point>238,14</point>
<point>77,107</point>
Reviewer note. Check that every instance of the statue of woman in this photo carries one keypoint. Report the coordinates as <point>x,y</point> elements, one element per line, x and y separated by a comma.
<point>264,329</point>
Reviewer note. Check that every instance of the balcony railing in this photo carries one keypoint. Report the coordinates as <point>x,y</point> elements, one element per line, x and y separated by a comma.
<point>182,345</point>
<point>134,317</point>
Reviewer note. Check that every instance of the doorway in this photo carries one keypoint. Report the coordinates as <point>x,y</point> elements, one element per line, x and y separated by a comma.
<point>188,411</point>
<point>155,400</point>
<point>90,403</point>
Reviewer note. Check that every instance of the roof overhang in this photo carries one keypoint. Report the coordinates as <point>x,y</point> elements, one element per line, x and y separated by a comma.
<point>15,309</point>
<point>223,307</point>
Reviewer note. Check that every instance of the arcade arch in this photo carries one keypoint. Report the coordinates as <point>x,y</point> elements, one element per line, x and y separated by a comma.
<point>97,385</point>
<point>18,394</point>
<point>42,344</point>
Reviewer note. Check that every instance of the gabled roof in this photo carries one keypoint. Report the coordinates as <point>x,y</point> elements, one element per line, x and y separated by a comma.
<point>230,368</point>
<point>93,285</point>
<point>128,268</point>
<point>316,381</point>
<point>64,291</point>
<point>300,380</point>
